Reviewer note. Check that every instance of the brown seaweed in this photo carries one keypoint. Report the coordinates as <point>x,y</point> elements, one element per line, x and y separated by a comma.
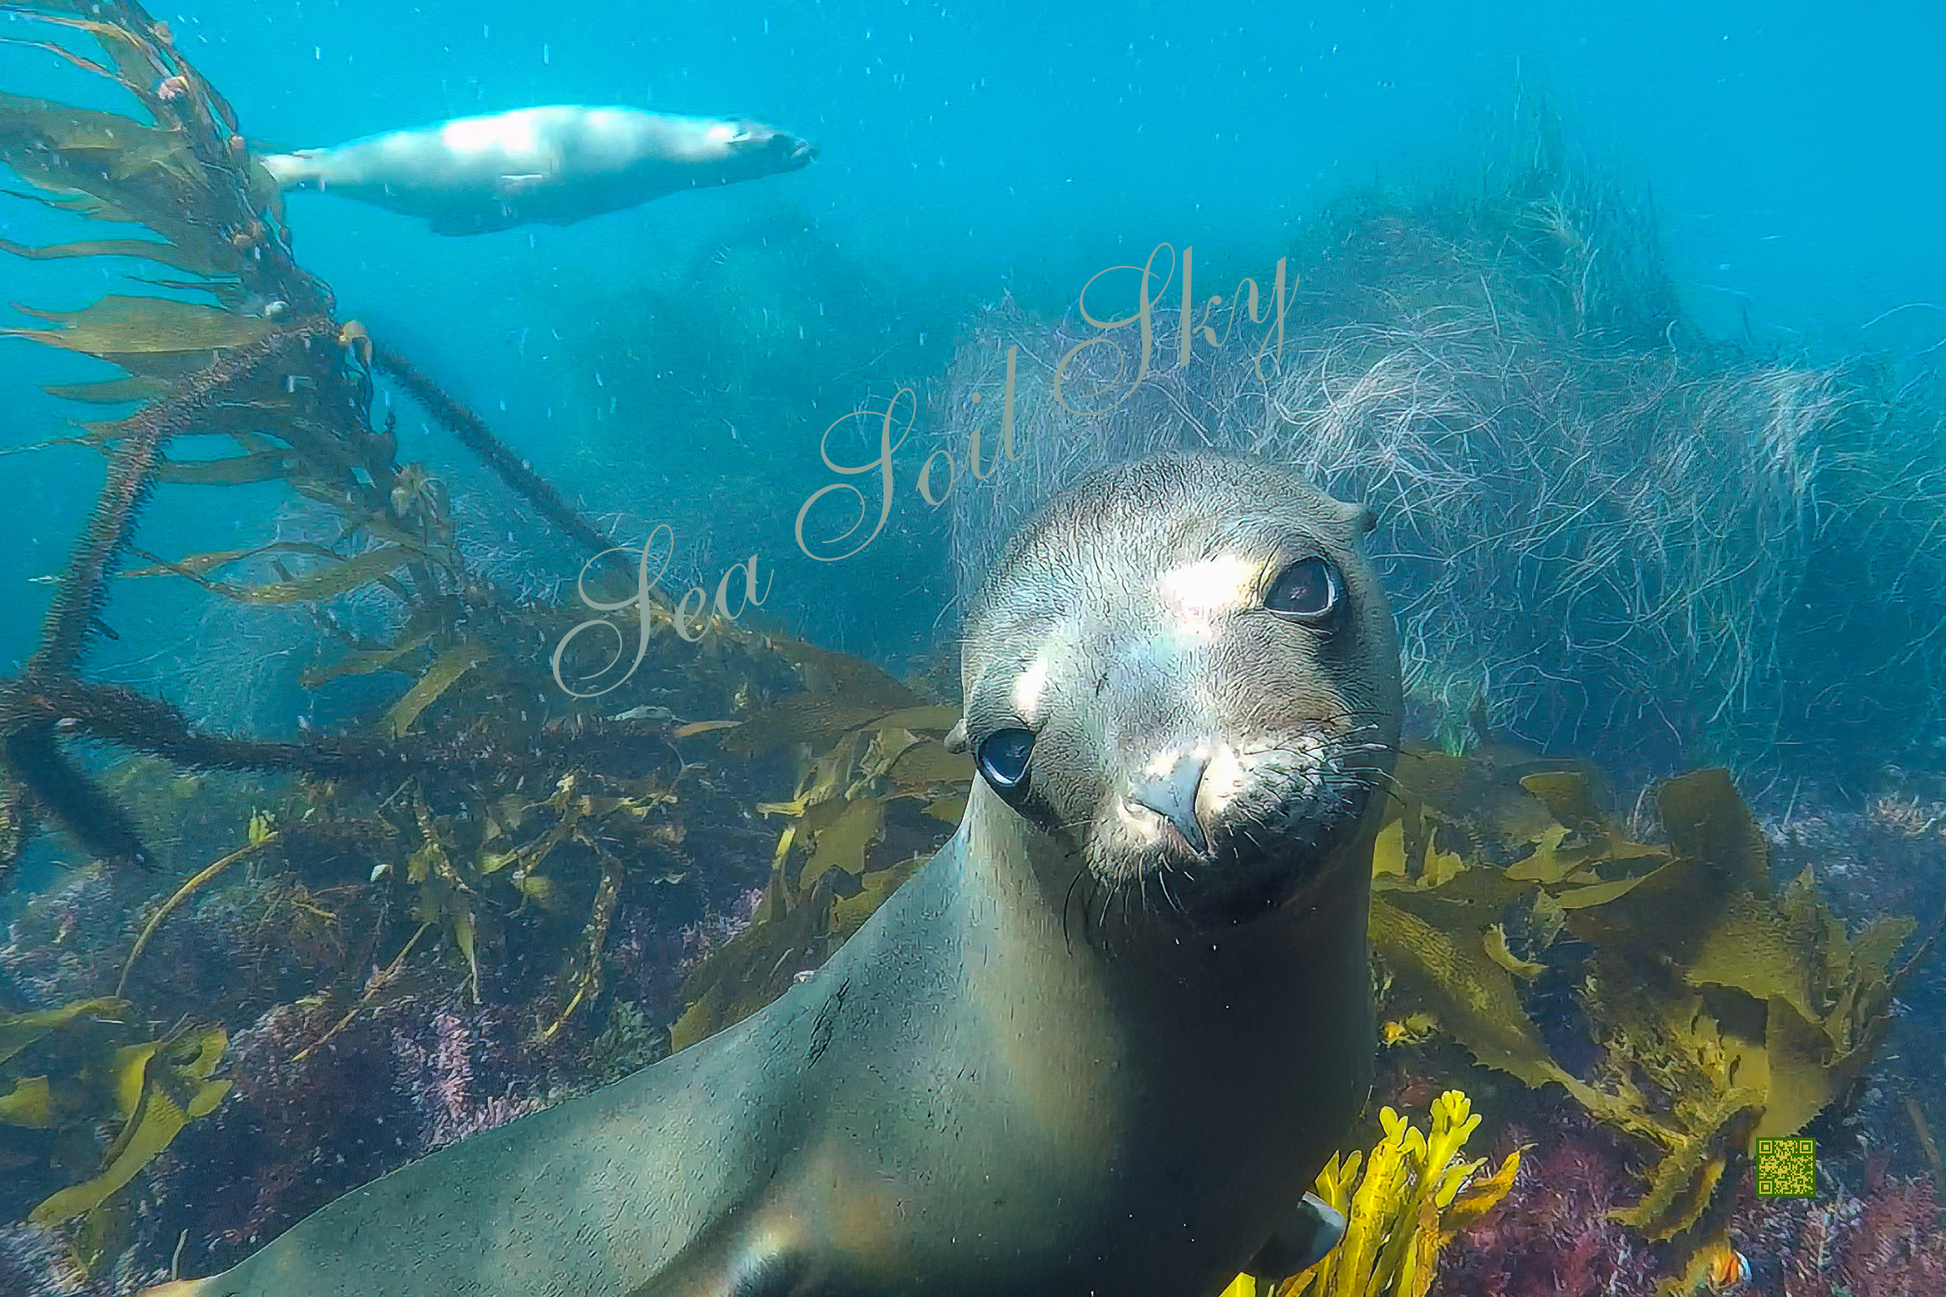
<point>1721,1010</point>
<point>476,809</point>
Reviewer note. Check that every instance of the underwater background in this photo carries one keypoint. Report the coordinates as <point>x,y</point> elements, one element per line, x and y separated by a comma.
<point>1625,322</point>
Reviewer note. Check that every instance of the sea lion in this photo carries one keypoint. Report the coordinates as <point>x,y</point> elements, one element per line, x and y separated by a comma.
<point>557,164</point>
<point>1100,1043</point>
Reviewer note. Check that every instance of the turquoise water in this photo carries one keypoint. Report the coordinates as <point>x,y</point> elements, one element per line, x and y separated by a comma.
<point>974,150</point>
<point>1665,493</point>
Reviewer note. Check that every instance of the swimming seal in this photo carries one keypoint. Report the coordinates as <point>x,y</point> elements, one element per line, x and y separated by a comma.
<point>556,165</point>
<point>1101,1043</point>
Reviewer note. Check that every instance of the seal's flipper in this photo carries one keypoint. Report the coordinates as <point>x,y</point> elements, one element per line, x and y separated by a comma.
<point>1305,1238</point>
<point>513,186</point>
<point>730,1262</point>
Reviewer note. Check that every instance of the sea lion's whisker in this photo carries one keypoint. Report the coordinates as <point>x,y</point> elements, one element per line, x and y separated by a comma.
<point>1162,882</point>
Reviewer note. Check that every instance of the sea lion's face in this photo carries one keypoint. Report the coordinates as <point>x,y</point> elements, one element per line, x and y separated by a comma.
<point>750,150</point>
<point>1186,674</point>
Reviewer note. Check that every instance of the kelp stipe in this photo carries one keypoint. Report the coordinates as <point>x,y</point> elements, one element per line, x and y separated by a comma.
<point>262,363</point>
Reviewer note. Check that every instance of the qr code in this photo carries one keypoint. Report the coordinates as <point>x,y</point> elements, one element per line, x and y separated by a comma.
<point>1787,1168</point>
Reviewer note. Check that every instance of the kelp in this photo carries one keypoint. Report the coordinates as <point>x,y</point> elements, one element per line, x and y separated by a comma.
<point>186,177</point>
<point>262,836</point>
<point>1402,1202</point>
<point>464,802</point>
<point>99,1068</point>
<point>871,748</point>
<point>1720,1010</point>
<point>246,350</point>
<point>473,804</point>
<point>159,1087</point>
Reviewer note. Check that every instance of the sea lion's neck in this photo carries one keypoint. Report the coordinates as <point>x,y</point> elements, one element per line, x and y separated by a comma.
<point>1189,980</point>
<point>1163,1040</point>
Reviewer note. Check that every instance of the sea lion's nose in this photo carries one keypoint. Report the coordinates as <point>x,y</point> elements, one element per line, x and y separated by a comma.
<point>1172,795</point>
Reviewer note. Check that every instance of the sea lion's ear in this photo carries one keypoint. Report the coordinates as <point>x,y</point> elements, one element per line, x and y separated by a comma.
<point>1356,518</point>
<point>956,737</point>
<point>730,1264</point>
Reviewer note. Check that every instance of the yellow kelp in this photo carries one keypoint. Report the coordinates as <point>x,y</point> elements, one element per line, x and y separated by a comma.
<point>1723,1008</point>
<point>1414,1196</point>
<point>85,1065</point>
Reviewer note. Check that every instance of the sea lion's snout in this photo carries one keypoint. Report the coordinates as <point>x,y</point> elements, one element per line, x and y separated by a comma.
<point>1217,833</point>
<point>796,153</point>
<point>1170,796</point>
<point>774,151</point>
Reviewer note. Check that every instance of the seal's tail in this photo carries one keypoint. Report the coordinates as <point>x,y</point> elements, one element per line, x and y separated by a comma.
<point>295,170</point>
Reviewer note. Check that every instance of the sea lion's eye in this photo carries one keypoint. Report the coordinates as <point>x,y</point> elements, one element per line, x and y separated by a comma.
<point>1308,589</point>
<point>1003,760</point>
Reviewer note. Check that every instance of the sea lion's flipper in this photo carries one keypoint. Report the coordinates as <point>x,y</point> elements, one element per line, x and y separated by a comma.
<point>728,1262</point>
<point>513,186</point>
<point>1305,1238</point>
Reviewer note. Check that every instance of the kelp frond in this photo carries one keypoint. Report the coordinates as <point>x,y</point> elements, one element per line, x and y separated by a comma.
<point>1402,1203</point>
<point>1723,1012</point>
<point>257,360</point>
